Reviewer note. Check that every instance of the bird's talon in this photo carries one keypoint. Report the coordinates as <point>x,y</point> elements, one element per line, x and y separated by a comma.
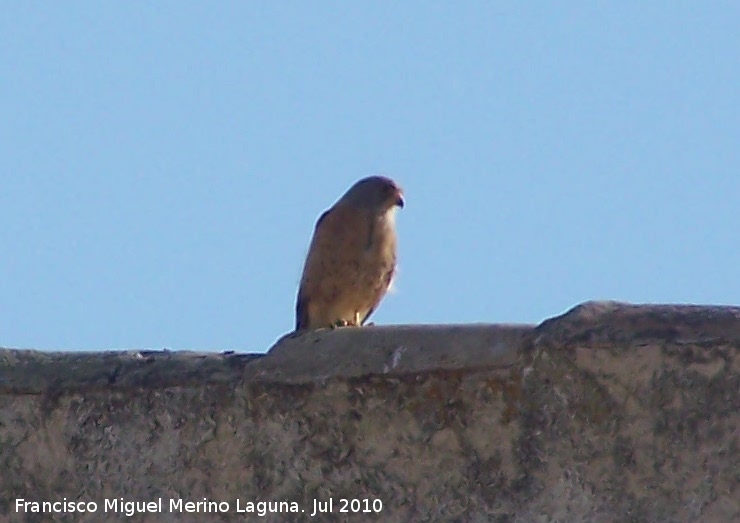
<point>339,323</point>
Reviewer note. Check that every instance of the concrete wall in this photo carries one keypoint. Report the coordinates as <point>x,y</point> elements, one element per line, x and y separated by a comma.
<point>611,412</point>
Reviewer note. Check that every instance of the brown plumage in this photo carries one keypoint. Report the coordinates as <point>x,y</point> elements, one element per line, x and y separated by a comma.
<point>352,257</point>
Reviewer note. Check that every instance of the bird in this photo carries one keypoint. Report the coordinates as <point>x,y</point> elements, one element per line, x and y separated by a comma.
<point>351,259</point>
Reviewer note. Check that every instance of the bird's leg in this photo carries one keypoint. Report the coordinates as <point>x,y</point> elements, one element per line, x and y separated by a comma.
<point>357,319</point>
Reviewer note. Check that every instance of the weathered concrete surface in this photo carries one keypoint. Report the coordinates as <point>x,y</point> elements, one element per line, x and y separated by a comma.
<point>611,412</point>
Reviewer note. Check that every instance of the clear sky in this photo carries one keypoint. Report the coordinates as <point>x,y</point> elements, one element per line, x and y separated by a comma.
<point>162,164</point>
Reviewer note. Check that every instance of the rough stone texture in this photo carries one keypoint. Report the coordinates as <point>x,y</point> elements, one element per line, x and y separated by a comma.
<point>611,412</point>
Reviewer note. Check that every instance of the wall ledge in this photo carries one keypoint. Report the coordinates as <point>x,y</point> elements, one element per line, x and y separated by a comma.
<point>609,412</point>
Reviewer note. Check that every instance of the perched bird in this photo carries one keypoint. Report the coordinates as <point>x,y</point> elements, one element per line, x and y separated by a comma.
<point>352,257</point>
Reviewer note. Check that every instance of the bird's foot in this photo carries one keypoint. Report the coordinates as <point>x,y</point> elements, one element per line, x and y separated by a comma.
<point>339,323</point>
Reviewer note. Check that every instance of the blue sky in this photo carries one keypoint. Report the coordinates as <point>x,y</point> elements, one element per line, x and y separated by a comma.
<point>162,164</point>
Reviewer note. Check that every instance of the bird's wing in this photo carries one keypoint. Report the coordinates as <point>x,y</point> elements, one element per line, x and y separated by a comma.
<point>314,266</point>
<point>301,311</point>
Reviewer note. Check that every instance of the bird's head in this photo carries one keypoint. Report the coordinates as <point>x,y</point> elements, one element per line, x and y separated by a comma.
<point>376,193</point>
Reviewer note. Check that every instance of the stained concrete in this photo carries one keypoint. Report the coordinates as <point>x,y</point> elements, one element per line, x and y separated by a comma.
<point>611,412</point>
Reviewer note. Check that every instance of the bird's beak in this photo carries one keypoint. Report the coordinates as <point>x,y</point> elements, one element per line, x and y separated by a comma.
<point>400,201</point>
